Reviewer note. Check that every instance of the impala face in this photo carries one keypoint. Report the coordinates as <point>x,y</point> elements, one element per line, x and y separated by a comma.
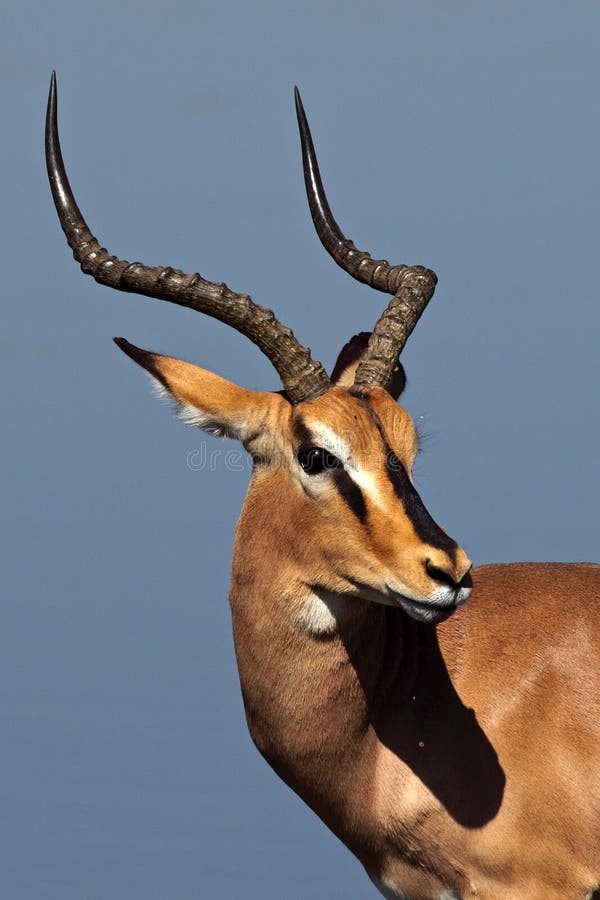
<point>354,450</point>
<point>340,468</point>
<point>338,449</point>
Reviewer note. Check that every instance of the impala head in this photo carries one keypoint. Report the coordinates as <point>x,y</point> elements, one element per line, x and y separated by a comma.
<point>333,454</point>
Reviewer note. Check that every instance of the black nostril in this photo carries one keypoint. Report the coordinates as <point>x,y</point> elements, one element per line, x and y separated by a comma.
<point>446,577</point>
<point>466,581</point>
<point>439,574</point>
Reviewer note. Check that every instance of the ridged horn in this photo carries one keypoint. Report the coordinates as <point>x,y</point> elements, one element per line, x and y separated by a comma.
<point>411,286</point>
<point>302,377</point>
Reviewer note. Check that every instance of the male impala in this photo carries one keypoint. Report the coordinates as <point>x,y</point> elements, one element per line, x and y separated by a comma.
<point>455,755</point>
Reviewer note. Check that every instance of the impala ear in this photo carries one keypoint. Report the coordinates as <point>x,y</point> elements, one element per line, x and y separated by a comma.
<point>349,359</point>
<point>205,400</point>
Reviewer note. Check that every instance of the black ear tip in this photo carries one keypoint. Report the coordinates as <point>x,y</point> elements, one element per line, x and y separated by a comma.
<point>144,358</point>
<point>136,353</point>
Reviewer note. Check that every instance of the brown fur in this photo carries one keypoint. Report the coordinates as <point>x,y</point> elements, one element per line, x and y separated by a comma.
<point>464,760</point>
<point>462,757</point>
<point>455,761</point>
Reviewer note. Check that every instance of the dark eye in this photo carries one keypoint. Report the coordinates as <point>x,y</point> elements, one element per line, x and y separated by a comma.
<point>316,459</point>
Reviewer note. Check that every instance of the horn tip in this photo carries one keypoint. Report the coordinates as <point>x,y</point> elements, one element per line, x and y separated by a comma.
<point>299,108</point>
<point>51,109</point>
<point>52,91</point>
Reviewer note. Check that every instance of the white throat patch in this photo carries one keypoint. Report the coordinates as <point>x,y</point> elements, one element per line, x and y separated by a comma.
<point>320,614</point>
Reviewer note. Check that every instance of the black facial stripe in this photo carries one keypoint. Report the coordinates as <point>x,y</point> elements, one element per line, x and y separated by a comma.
<point>427,530</point>
<point>350,493</point>
<point>303,434</point>
<point>425,527</point>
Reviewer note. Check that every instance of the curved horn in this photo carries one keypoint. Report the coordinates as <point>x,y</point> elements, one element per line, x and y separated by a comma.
<point>302,377</point>
<point>412,286</point>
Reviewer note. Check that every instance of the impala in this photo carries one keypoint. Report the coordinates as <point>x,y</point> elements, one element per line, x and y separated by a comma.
<point>454,747</point>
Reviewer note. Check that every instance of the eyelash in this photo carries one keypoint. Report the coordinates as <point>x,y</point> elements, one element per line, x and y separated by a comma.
<point>424,436</point>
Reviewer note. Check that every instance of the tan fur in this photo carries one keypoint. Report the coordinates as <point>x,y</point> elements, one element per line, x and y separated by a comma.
<point>462,757</point>
<point>455,761</point>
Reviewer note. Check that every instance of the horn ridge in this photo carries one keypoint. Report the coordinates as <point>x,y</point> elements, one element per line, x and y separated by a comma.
<point>411,286</point>
<point>302,377</point>
<point>377,273</point>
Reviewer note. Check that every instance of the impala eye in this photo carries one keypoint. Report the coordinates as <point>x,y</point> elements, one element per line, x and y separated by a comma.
<point>316,459</point>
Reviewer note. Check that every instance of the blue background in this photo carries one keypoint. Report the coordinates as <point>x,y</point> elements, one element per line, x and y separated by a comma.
<point>460,135</point>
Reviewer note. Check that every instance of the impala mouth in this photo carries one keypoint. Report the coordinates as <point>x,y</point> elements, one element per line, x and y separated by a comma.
<point>438,608</point>
<point>423,611</point>
<point>431,611</point>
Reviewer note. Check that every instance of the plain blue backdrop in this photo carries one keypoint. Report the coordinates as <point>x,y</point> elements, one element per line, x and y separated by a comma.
<point>460,135</point>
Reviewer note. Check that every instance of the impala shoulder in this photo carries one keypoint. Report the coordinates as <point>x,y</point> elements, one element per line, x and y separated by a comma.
<point>543,582</point>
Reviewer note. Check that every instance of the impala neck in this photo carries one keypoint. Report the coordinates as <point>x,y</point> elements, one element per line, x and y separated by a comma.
<point>312,698</point>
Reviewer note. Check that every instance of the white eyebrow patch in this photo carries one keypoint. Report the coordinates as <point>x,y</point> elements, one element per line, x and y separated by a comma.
<point>324,437</point>
<point>365,480</point>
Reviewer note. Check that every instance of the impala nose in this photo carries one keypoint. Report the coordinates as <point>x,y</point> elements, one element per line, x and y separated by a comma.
<point>454,573</point>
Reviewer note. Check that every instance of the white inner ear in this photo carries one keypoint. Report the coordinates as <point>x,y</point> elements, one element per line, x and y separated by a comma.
<point>191,415</point>
<point>346,377</point>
